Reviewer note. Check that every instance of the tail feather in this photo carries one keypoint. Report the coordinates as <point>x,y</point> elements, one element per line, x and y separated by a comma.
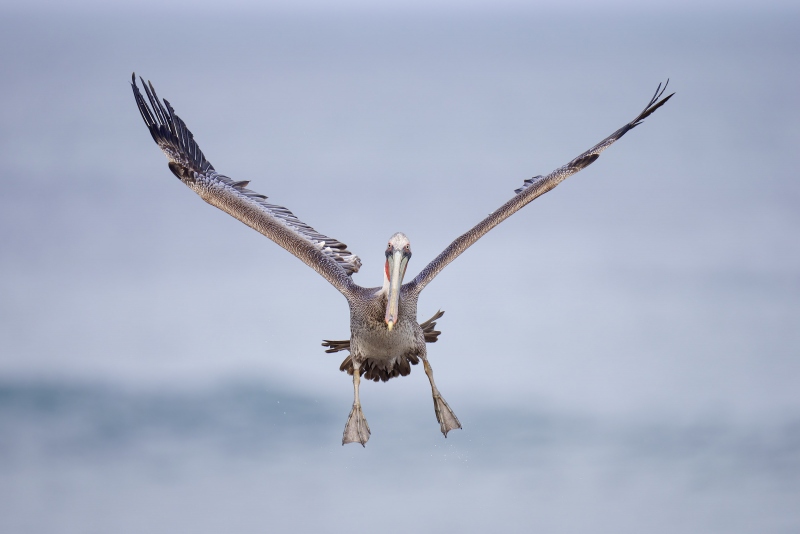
<point>431,335</point>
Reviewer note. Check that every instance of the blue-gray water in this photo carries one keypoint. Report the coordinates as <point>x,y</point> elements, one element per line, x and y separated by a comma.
<point>249,458</point>
<point>623,353</point>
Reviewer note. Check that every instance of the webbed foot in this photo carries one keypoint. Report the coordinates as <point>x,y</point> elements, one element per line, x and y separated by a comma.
<point>444,415</point>
<point>356,430</point>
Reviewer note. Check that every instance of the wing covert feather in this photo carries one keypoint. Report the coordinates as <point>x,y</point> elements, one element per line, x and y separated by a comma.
<point>530,190</point>
<point>328,256</point>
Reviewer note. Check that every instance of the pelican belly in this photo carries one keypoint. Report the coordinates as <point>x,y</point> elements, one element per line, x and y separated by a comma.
<point>381,353</point>
<point>383,345</point>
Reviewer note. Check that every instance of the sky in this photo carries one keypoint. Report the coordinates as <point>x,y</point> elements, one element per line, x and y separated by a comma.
<point>451,6</point>
<point>668,266</point>
<point>622,353</point>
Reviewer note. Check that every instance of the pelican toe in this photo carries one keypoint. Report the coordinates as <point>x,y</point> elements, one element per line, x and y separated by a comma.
<point>356,430</point>
<point>444,415</point>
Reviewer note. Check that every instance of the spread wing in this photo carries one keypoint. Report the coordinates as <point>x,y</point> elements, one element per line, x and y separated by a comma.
<point>531,189</point>
<point>328,256</point>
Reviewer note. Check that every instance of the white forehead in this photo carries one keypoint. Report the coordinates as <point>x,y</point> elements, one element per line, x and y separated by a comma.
<point>399,240</point>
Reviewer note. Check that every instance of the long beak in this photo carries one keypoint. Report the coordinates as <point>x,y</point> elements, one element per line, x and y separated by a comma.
<point>397,269</point>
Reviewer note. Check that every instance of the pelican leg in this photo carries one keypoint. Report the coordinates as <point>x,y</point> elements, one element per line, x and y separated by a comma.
<point>356,430</point>
<point>444,415</point>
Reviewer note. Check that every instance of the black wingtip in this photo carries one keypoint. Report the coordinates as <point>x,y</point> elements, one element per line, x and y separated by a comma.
<point>653,105</point>
<point>660,93</point>
<point>168,130</point>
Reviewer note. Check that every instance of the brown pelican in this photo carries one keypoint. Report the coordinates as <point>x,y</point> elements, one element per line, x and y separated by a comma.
<point>385,337</point>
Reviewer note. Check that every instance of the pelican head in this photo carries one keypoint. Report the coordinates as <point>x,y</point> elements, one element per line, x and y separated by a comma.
<point>397,255</point>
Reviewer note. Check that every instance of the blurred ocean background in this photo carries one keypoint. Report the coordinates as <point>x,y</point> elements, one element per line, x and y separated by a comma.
<point>624,353</point>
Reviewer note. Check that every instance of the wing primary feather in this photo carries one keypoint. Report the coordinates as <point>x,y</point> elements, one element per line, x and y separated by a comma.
<point>154,103</point>
<point>143,109</point>
<point>166,118</point>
